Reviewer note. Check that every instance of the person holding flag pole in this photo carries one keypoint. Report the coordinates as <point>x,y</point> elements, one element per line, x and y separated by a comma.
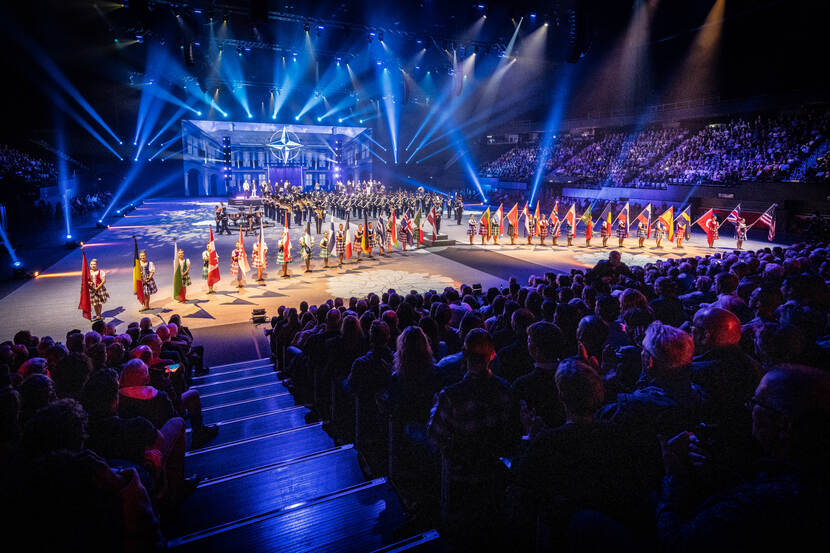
<point>471,228</point>
<point>181,275</point>
<point>85,302</point>
<point>210,271</point>
<point>684,224</point>
<point>239,262</point>
<point>484,226</point>
<point>555,224</point>
<point>419,240</point>
<point>665,226</point>
<point>767,218</point>
<point>340,244</point>
<point>543,229</point>
<point>306,244</point>
<point>528,223</point>
<point>605,224</point>
<point>570,224</point>
<point>513,223</point>
<point>97,294</point>
<point>325,252</point>
<point>284,253</point>
<point>380,236</point>
<point>622,223</point>
<point>259,255</point>
<point>147,270</point>
<point>496,225</point>
<point>709,223</point>
<point>588,220</point>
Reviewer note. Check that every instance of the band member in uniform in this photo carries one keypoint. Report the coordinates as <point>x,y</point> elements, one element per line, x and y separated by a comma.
<point>319,217</point>
<point>642,234</point>
<point>260,262</point>
<point>622,231</point>
<point>543,229</point>
<point>483,229</point>
<point>471,228</point>
<point>236,257</point>
<point>659,233</point>
<point>222,225</point>
<point>358,239</point>
<point>184,266</point>
<point>98,294</point>
<point>740,232</point>
<point>324,249</point>
<point>283,256</point>
<point>340,244</point>
<point>306,243</point>
<point>713,227</point>
<point>148,271</point>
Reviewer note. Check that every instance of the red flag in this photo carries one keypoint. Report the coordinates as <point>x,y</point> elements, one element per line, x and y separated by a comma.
<point>501,219</point>
<point>213,262</point>
<point>704,221</point>
<point>85,305</point>
<point>432,218</point>
<point>645,218</point>
<point>570,217</point>
<point>536,219</point>
<point>513,217</point>
<point>138,281</point>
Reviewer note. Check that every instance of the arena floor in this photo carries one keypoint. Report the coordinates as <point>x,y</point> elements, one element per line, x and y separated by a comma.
<point>47,305</point>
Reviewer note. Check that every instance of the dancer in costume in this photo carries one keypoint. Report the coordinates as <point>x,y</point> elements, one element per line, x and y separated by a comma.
<point>659,233</point>
<point>259,260</point>
<point>740,232</point>
<point>483,229</point>
<point>324,249</point>
<point>98,294</point>
<point>712,230</point>
<point>148,271</point>
<point>340,244</point>
<point>306,243</point>
<point>358,240</point>
<point>236,271</point>
<point>184,267</point>
<point>543,229</point>
<point>642,234</point>
<point>471,228</point>
<point>622,231</point>
<point>284,255</point>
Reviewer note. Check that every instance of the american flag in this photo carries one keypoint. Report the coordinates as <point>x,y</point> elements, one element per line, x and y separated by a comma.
<point>768,218</point>
<point>734,215</point>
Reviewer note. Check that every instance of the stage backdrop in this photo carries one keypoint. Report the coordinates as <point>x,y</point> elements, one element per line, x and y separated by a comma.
<point>278,175</point>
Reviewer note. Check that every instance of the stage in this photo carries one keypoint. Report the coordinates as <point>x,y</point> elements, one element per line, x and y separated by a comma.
<point>47,305</point>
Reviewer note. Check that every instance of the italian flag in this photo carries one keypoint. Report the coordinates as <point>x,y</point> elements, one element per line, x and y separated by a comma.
<point>178,289</point>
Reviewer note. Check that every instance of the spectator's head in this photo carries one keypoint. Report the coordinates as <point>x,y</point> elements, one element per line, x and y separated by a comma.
<point>413,358</point>
<point>378,334</point>
<point>9,416</point>
<point>163,332</point>
<point>469,322</point>
<point>98,355</point>
<point>70,375</point>
<point>665,287</point>
<point>153,342</point>
<point>520,320</point>
<point>592,333</point>
<point>135,373</point>
<point>75,342</point>
<point>59,425</point>
<point>703,284</point>
<point>25,338</point>
<point>115,354</point>
<point>145,324</point>
<point>726,283</point>
<point>667,352</point>
<point>776,344</point>
<point>142,352</point>
<point>100,395</point>
<point>544,342</point>
<point>580,388</point>
<point>614,258</point>
<point>99,326</point>
<point>36,392</point>
<point>607,308</point>
<point>91,338</point>
<point>631,299</point>
<point>764,300</point>
<point>791,414</point>
<point>351,331</point>
<point>713,328</point>
<point>478,351</point>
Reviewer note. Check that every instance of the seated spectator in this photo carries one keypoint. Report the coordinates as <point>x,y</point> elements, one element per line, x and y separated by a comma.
<point>783,505</point>
<point>36,392</point>
<point>667,308</point>
<point>537,390</point>
<point>70,374</point>
<point>137,398</point>
<point>451,368</point>
<point>514,360</point>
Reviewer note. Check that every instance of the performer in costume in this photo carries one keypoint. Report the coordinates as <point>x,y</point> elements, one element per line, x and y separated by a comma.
<point>569,232</point>
<point>543,229</point>
<point>555,226</point>
<point>206,269</point>
<point>379,245</point>
<point>642,234</point>
<point>483,229</point>
<point>236,257</point>
<point>358,239</point>
<point>495,226</point>
<point>604,233</point>
<point>622,231</point>
<point>405,234</point>
<point>340,244</point>
<point>659,233</point>
<point>260,262</point>
<point>471,228</point>
<point>148,271</point>
<point>680,234</point>
<point>389,228</point>
<point>284,256</point>
<point>511,232</point>
<point>531,229</point>
<point>740,232</point>
<point>324,249</point>
<point>589,232</point>
<point>98,294</point>
<point>712,230</point>
<point>184,266</point>
<point>370,238</point>
<point>306,243</point>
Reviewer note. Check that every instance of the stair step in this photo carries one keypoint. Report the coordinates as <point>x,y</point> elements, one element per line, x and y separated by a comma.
<point>361,518</point>
<point>268,489</point>
<point>218,369</point>
<point>243,393</point>
<point>427,542</point>
<point>221,460</point>
<point>249,407</point>
<point>210,379</point>
<point>267,377</point>
<point>252,426</point>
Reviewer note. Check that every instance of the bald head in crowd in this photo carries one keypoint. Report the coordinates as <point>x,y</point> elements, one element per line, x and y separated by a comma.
<point>714,328</point>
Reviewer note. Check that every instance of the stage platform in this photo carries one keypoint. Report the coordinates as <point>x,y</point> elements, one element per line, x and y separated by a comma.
<point>48,304</point>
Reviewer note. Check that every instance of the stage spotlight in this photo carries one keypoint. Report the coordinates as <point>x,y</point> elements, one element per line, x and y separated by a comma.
<point>340,120</point>
<point>250,116</point>
<point>198,113</point>
<point>18,270</point>
<point>306,27</point>
<point>370,37</point>
<point>361,121</point>
<point>296,118</point>
<point>274,116</point>
<point>319,119</point>
<point>380,36</point>
<point>100,224</point>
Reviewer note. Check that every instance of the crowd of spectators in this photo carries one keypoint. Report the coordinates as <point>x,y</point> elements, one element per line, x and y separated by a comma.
<point>93,434</point>
<point>767,147</point>
<point>16,165</point>
<point>821,171</point>
<point>679,406</point>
